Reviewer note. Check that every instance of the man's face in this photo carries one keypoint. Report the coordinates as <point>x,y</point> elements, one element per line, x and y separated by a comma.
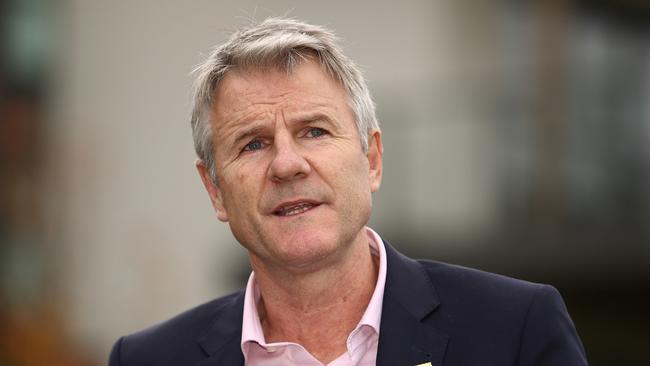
<point>293,181</point>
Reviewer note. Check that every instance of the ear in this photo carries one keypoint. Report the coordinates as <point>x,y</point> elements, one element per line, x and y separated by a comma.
<point>213,190</point>
<point>375,154</point>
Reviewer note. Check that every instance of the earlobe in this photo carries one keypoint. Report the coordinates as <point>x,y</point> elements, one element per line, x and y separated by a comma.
<point>375,154</point>
<point>213,190</point>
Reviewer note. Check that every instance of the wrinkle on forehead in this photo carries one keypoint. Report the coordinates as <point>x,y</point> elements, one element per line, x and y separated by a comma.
<point>244,83</point>
<point>248,99</point>
<point>241,103</point>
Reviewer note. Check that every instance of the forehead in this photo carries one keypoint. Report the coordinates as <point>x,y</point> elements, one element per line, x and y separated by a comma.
<point>308,83</point>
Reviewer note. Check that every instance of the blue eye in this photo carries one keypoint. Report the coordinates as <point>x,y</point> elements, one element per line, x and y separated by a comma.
<point>316,132</point>
<point>253,145</point>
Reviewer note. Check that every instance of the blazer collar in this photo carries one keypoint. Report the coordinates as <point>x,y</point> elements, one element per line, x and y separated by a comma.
<point>222,340</point>
<point>409,297</point>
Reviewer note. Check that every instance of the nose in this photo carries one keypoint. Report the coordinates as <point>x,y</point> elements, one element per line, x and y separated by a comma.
<point>288,162</point>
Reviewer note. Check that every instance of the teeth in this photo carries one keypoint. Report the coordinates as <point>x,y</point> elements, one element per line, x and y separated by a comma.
<point>294,210</point>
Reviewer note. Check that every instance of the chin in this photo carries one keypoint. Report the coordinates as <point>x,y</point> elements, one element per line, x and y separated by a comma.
<point>307,248</point>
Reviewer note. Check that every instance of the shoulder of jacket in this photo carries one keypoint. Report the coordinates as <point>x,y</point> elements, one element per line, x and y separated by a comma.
<point>474,284</point>
<point>179,332</point>
<point>196,317</point>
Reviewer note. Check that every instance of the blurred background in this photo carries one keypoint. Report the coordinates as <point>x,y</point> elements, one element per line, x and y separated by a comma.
<point>516,133</point>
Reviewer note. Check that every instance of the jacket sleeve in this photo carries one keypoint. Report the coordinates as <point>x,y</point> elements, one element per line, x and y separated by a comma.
<point>549,337</point>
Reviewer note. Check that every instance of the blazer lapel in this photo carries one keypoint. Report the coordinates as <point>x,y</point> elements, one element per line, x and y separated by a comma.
<point>409,297</point>
<point>221,341</point>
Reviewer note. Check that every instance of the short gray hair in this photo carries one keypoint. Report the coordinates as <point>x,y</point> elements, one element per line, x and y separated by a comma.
<point>281,43</point>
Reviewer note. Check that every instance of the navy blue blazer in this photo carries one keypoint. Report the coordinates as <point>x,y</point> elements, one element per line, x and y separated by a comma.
<point>432,312</point>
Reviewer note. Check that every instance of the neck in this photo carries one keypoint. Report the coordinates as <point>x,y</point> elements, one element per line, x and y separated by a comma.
<point>318,309</point>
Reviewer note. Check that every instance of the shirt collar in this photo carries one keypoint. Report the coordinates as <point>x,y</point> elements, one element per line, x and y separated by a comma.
<point>252,327</point>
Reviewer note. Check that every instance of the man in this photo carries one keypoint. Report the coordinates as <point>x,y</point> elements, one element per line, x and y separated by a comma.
<point>290,152</point>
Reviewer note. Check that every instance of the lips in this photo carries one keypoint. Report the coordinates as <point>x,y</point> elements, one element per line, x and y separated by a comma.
<point>294,208</point>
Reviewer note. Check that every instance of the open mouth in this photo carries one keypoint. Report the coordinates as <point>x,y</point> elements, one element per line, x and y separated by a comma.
<point>293,209</point>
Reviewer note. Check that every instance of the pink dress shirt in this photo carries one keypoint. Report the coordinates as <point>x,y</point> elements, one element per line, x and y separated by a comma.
<point>361,344</point>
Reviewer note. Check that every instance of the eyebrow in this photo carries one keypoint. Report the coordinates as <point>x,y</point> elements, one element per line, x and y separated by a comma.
<point>248,134</point>
<point>312,117</point>
<point>299,120</point>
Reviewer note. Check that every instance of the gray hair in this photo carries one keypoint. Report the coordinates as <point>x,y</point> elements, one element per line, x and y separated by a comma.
<point>281,43</point>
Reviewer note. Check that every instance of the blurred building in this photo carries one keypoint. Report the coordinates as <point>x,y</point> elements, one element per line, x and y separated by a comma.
<point>516,133</point>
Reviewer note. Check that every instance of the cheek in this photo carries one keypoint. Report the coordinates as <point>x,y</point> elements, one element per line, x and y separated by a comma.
<point>353,180</point>
<point>245,185</point>
<point>359,172</point>
<point>241,178</point>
